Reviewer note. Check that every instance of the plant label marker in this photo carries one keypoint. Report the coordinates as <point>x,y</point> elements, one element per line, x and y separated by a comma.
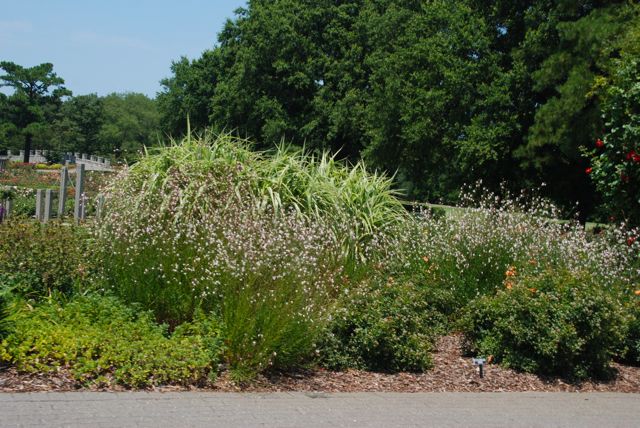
<point>479,362</point>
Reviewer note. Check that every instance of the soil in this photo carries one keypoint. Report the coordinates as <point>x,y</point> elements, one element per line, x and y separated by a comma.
<point>452,372</point>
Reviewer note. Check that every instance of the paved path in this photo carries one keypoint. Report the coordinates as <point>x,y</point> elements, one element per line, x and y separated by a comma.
<point>84,409</point>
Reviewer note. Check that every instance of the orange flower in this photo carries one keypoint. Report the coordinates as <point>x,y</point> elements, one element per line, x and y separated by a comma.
<point>511,271</point>
<point>508,285</point>
<point>425,259</point>
<point>637,292</point>
<point>533,290</point>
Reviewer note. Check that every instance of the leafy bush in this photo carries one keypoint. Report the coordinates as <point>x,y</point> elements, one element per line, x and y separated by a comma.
<point>100,341</point>
<point>39,259</point>
<point>7,192</point>
<point>632,342</point>
<point>384,326</point>
<point>555,322</point>
<point>615,159</point>
<point>4,310</point>
<point>48,166</point>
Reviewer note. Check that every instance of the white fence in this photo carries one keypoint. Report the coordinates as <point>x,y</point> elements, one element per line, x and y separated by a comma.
<point>90,162</point>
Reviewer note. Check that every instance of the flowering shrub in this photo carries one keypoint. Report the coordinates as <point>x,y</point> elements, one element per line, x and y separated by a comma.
<point>468,253</point>
<point>555,322</point>
<point>615,158</point>
<point>37,260</point>
<point>478,261</point>
<point>7,192</point>
<point>21,165</point>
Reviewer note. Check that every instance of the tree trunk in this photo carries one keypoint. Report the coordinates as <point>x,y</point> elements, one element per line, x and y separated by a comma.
<point>27,148</point>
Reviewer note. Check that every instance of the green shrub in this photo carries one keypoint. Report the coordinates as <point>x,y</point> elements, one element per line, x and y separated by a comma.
<point>37,260</point>
<point>5,298</point>
<point>632,342</point>
<point>556,322</point>
<point>100,341</point>
<point>384,326</point>
<point>48,166</point>
<point>7,192</point>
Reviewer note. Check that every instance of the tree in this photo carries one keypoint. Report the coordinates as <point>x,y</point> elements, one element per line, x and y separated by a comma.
<point>441,93</point>
<point>78,125</point>
<point>131,122</point>
<point>38,92</point>
<point>434,79</point>
<point>188,93</point>
<point>615,155</point>
<point>569,113</point>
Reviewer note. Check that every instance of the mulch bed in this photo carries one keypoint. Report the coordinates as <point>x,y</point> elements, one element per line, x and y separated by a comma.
<point>452,372</point>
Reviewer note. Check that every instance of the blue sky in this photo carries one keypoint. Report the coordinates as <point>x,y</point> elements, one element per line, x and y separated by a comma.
<point>104,46</point>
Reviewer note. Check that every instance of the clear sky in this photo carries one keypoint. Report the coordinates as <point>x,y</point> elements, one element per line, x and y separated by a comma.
<point>104,46</point>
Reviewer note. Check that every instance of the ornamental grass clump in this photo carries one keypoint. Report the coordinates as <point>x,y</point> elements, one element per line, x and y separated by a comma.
<point>206,224</point>
<point>356,203</point>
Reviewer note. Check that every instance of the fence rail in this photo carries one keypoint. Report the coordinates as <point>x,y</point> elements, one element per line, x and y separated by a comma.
<point>91,162</point>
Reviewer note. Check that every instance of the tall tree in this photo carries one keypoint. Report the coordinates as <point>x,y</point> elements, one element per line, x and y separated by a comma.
<point>439,92</point>
<point>569,114</point>
<point>131,122</point>
<point>78,124</point>
<point>188,93</point>
<point>38,92</point>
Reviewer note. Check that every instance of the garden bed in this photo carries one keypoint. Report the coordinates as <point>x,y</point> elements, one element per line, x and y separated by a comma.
<point>452,372</point>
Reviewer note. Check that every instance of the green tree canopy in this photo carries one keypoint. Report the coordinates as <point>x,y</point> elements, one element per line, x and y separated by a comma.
<point>440,93</point>
<point>37,95</point>
<point>130,122</point>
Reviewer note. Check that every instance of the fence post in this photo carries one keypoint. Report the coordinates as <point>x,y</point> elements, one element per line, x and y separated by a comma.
<point>39,204</point>
<point>79,210</point>
<point>8,207</point>
<point>99,206</point>
<point>62,196</point>
<point>48,205</point>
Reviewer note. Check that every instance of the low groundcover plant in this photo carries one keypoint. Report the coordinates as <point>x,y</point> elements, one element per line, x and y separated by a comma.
<point>101,341</point>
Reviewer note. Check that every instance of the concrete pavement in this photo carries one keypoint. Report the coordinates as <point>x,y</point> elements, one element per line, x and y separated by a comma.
<point>186,409</point>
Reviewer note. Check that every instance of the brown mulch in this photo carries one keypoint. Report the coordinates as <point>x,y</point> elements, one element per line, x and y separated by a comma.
<point>452,372</point>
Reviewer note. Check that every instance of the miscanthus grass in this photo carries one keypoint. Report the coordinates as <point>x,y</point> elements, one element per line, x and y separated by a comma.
<point>260,241</point>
